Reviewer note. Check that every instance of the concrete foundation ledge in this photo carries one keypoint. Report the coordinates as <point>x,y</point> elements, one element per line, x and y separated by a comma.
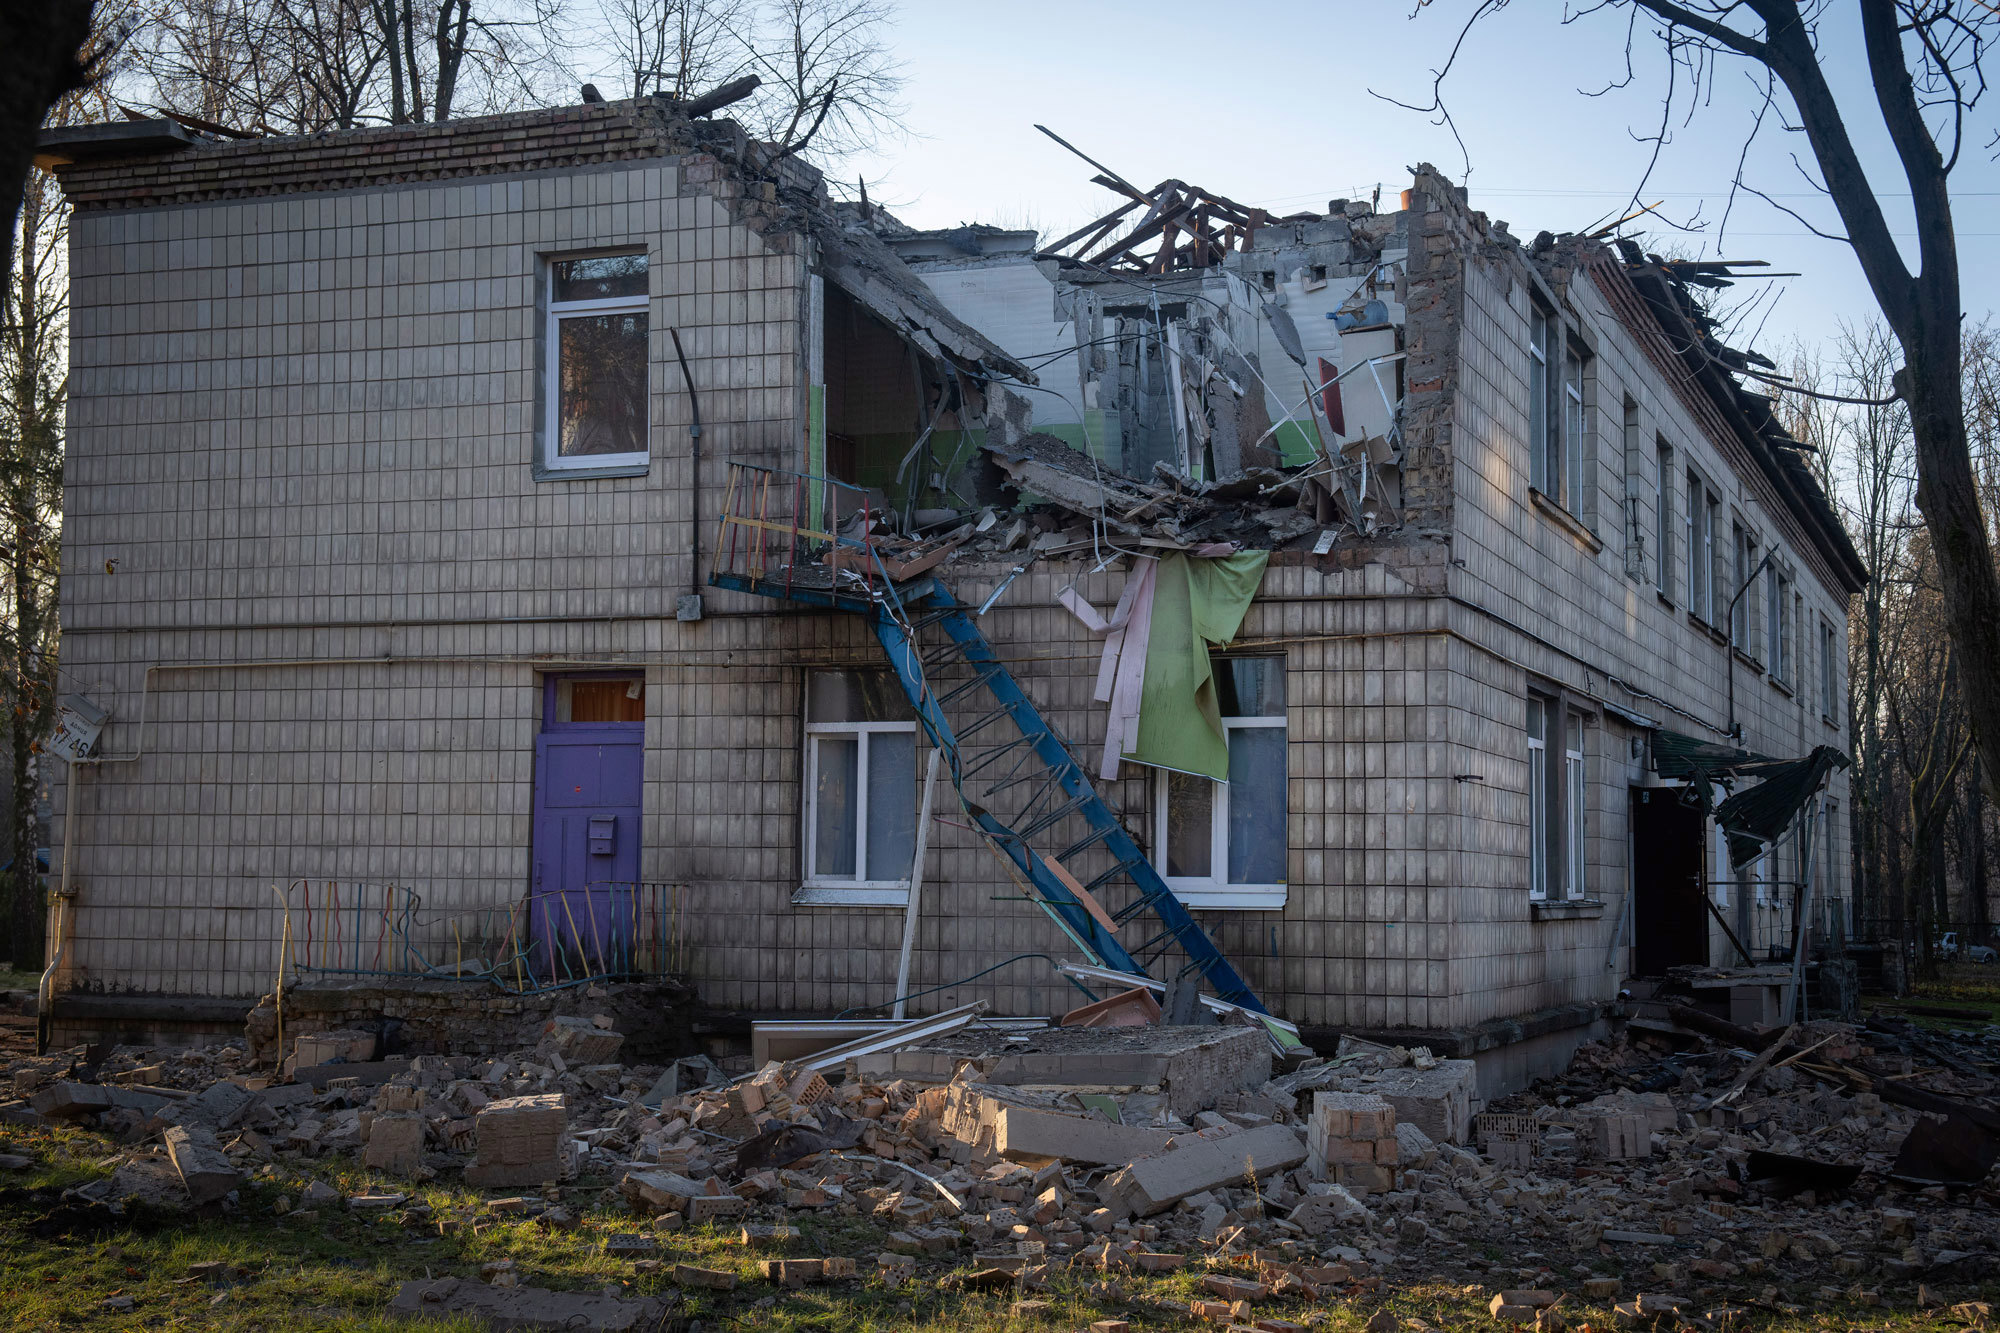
<point>77,1017</point>
<point>1464,1043</point>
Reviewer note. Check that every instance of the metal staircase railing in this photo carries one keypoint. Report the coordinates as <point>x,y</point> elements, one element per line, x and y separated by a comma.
<point>1015,774</point>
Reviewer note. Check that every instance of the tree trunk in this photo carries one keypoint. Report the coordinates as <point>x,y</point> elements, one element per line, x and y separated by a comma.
<point>39,62</point>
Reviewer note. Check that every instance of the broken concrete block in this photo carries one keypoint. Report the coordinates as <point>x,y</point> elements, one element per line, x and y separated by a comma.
<point>1414,1147</point>
<point>326,1048</point>
<point>1438,1100</point>
<point>522,1141</point>
<point>69,1101</point>
<point>579,1041</point>
<point>1154,1184</point>
<point>224,1104</point>
<point>517,1307</point>
<point>204,1170</point>
<point>712,1279</point>
<point>395,1143</point>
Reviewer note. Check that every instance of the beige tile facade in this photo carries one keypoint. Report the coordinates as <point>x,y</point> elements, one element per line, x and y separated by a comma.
<point>302,435</point>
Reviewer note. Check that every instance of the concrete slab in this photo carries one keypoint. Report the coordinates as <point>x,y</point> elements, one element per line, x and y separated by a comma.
<point>206,1172</point>
<point>1192,1065</point>
<point>1155,1184</point>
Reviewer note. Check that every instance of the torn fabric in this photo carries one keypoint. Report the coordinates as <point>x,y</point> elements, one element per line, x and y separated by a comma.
<point>1195,604</point>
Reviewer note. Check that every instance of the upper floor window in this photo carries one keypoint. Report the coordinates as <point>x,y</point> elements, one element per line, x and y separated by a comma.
<point>1778,630</point>
<point>1544,455</point>
<point>596,359</point>
<point>861,775</point>
<point>1829,694</point>
<point>1703,505</point>
<point>1575,478</point>
<point>1225,844</point>
<point>1557,396</point>
<point>1743,610</point>
<point>1664,479</point>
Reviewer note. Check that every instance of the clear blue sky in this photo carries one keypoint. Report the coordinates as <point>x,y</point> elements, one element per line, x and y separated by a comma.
<point>1267,101</point>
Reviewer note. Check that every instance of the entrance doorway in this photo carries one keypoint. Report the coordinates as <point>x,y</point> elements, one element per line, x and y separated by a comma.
<point>589,767</point>
<point>1669,909</point>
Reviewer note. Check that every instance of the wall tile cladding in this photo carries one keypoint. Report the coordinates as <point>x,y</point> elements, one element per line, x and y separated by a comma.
<point>317,408</point>
<point>322,407</point>
<point>1576,616</point>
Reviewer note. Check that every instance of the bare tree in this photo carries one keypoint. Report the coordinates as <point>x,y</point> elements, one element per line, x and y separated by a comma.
<point>301,66</point>
<point>1923,86</point>
<point>828,78</point>
<point>676,47</point>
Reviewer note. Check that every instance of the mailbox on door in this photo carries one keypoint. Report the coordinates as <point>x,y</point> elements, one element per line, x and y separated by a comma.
<point>603,834</point>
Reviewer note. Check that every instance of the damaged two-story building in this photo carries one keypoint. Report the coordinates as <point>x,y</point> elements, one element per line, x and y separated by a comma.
<point>555,545</point>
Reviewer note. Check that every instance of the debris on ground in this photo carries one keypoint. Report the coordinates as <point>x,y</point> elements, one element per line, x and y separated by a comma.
<point>1661,1166</point>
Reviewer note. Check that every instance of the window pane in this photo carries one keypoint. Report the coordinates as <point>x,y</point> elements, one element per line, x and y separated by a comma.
<point>1573,779</point>
<point>855,696</point>
<point>836,760</point>
<point>601,700</point>
<point>1190,826</point>
<point>601,407</point>
<point>1535,723</point>
<point>1538,404</point>
<point>892,803</point>
<point>1538,822</point>
<point>1575,733</point>
<point>1250,686</point>
<point>600,277</point>
<point>1257,840</point>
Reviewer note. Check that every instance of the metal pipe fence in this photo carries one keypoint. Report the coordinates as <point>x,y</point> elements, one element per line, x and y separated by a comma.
<point>561,937</point>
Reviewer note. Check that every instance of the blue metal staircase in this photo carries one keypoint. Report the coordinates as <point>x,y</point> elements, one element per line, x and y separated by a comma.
<point>1015,775</point>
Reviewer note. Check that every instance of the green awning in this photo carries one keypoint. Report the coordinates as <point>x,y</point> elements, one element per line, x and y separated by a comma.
<point>1757,816</point>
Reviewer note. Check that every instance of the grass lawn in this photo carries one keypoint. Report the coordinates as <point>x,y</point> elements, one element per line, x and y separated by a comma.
<point>1967,986</point>
<point>337,1270</point>
<point>13,978</point>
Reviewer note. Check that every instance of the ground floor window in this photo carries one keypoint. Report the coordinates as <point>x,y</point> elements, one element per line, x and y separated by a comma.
<point>1558,804</point>
<point>1225,844</point>
<point>860,783</point>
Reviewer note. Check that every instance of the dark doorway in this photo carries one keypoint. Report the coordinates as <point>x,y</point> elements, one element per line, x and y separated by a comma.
<point>1669,916</point>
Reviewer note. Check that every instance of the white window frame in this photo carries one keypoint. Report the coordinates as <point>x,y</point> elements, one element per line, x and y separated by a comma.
<point>553,459</point>
<point>1576,805</point>
<point>1544,458</point>
<point>824,891</point>
<point>1664,474</point>
<point>1574,432</point>
<point>1538,803</point>
<point>1214,891</point>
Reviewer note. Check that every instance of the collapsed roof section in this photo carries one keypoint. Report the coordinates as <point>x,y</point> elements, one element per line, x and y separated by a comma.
<point>1705,372</point>
<point>853,256</point>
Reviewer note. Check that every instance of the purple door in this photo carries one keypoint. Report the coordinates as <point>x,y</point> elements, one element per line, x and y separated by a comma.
<point>586,837</point>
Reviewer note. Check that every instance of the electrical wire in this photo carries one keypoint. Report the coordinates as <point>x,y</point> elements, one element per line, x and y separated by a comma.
<point>1005,962</point>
